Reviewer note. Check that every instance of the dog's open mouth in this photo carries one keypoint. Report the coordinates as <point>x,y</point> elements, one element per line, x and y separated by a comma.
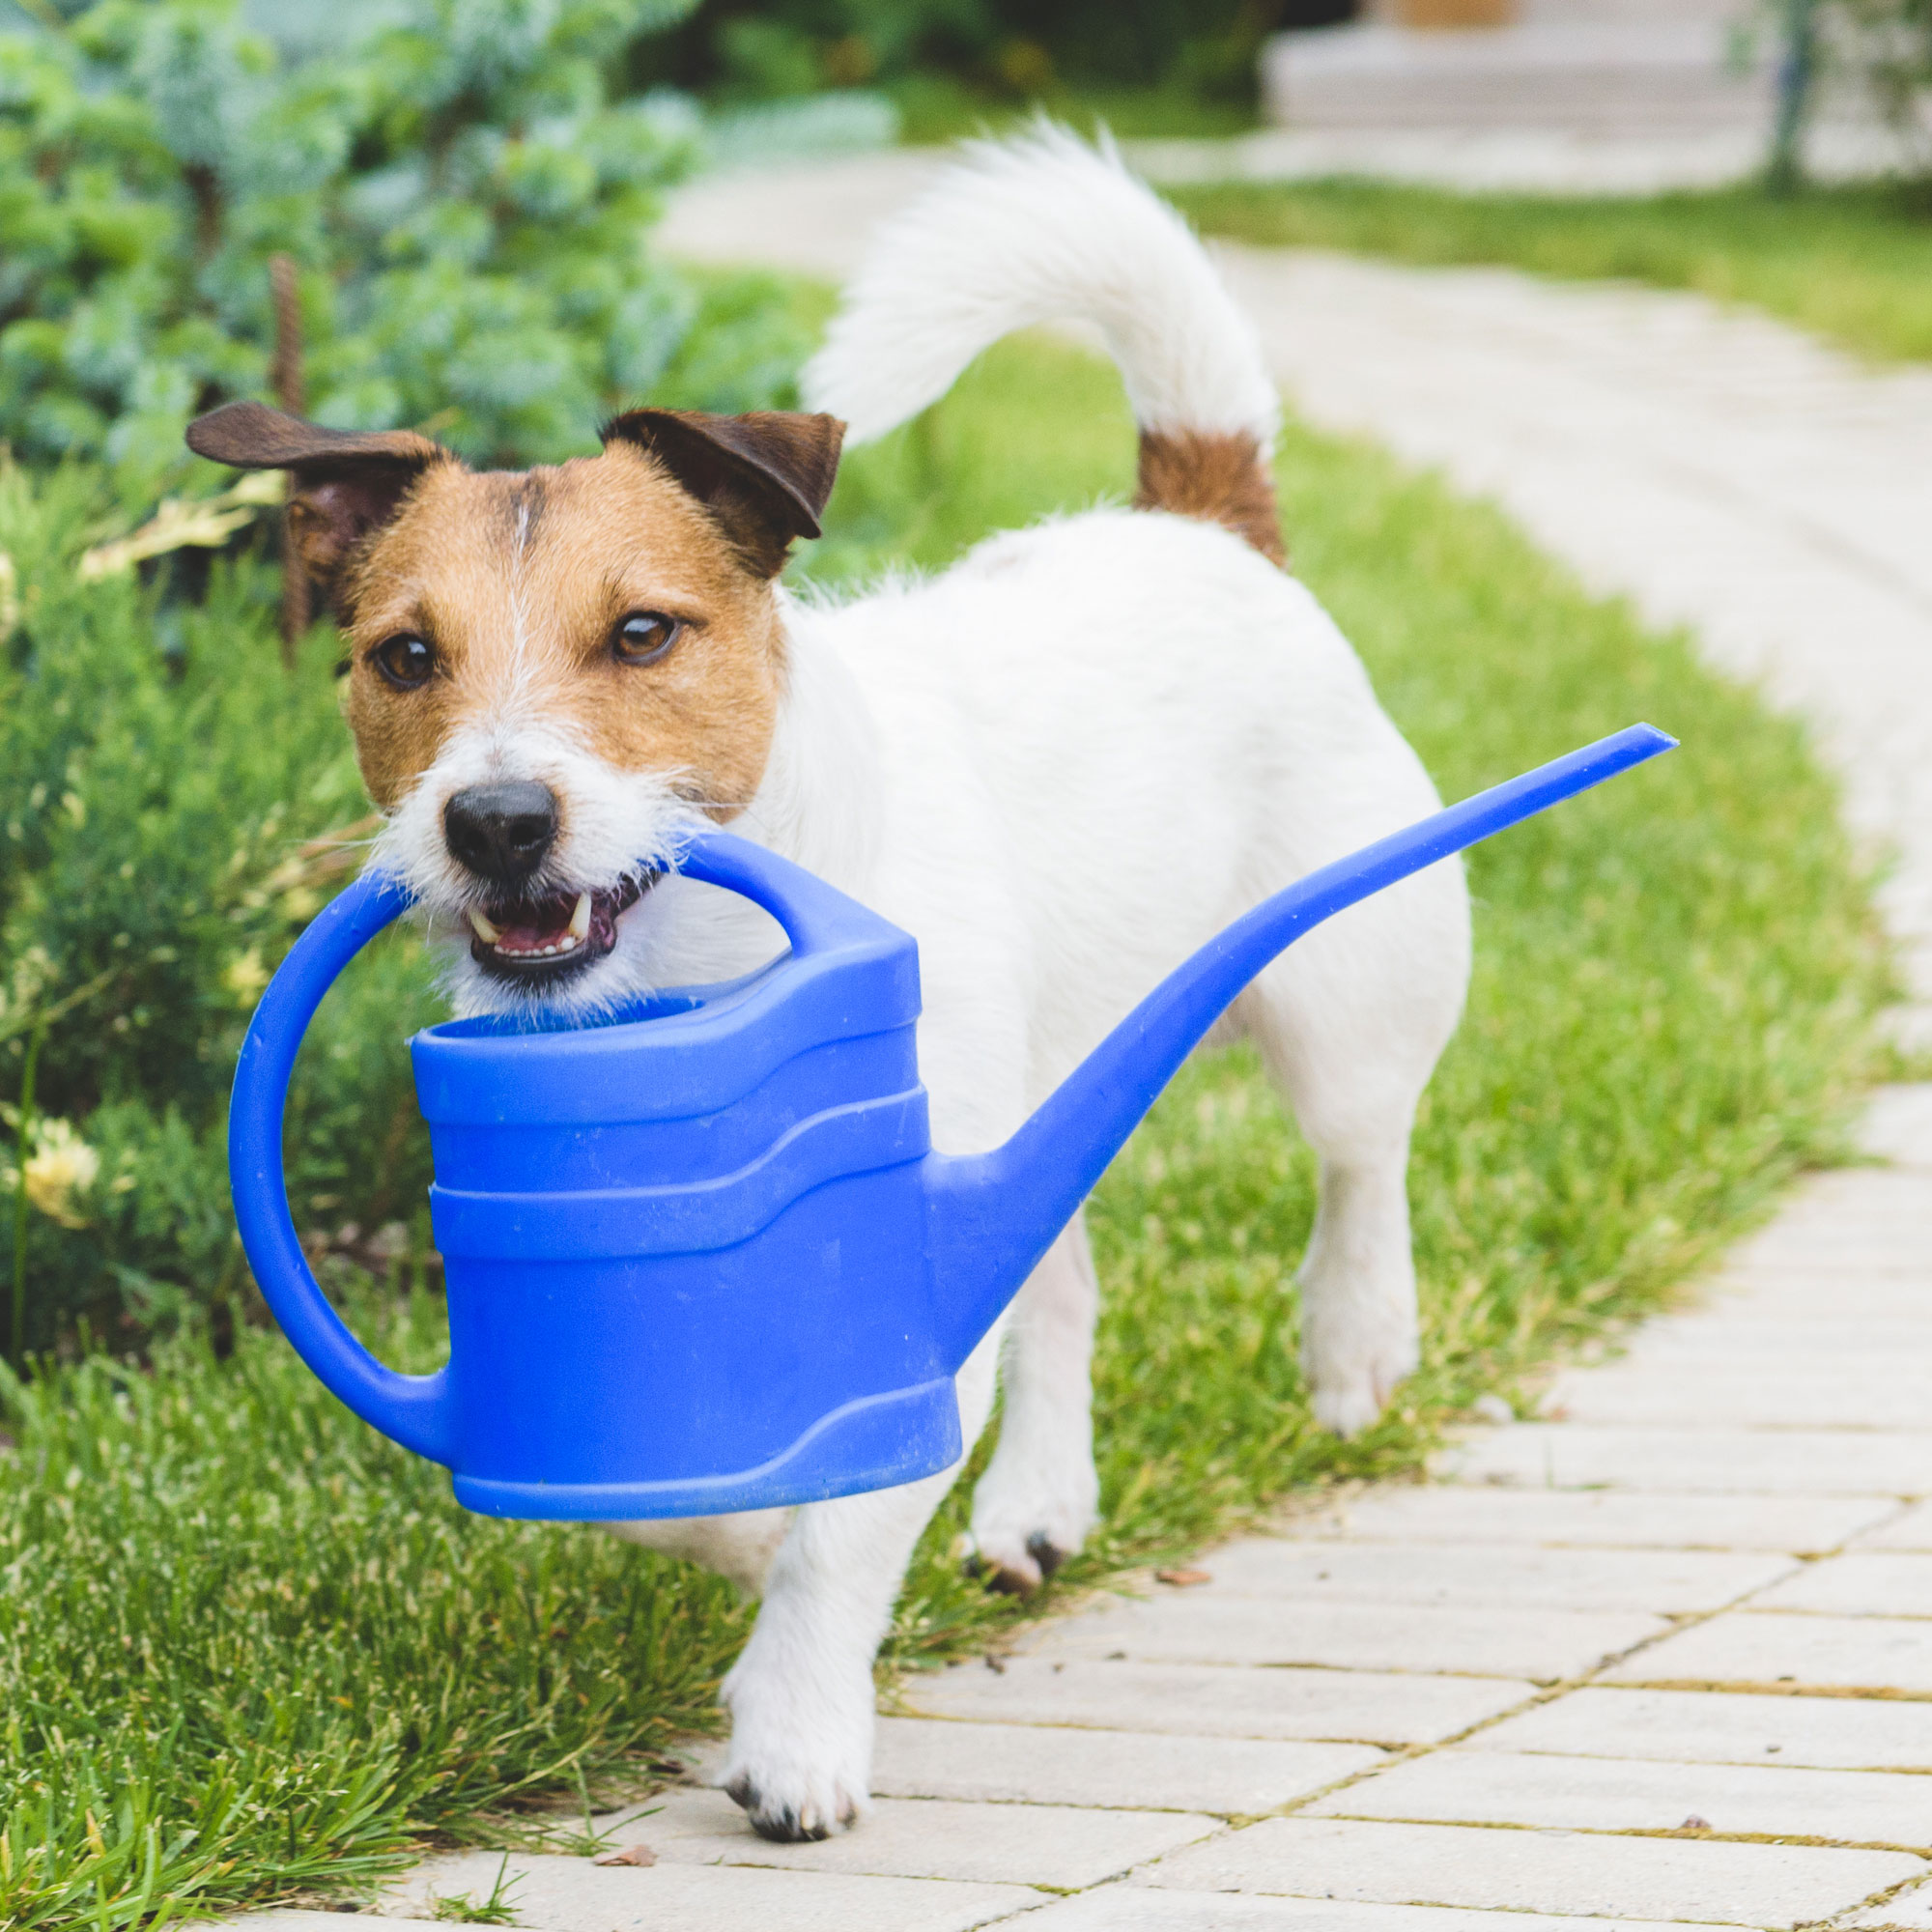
<point>528,940</point>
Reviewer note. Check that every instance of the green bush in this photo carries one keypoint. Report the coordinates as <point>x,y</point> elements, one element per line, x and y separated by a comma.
<point>463,184</point>
<point>765,48</point>
<point>169,819</point>
<point>467,192</point>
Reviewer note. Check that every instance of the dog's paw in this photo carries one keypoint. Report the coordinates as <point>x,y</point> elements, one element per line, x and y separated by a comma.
<point>1014,1571</point>
<point>1022,1532</point>
<point>797,1811</point>
<point>800,1762</point>
<point>1347,1401</point>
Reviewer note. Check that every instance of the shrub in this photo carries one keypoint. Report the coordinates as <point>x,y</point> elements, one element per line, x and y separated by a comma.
<point>467,195</point>
<point>463,191</point>
<point>169,819</point>
<point>765,48</point>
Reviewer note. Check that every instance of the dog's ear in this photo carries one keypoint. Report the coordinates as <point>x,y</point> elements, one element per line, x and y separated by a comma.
<point>347,482</point>
<point>764,476</point>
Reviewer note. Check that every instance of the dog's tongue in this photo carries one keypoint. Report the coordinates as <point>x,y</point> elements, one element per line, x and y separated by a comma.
<point>530,929</point>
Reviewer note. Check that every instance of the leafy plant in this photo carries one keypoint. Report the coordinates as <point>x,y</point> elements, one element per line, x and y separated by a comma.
<point>174,806</point>
<point>1021,48</point>
<point>464,187</point>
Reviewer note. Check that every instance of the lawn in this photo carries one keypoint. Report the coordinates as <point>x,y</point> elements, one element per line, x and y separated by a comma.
<point>249,1650</point>
<point>1851,264</point>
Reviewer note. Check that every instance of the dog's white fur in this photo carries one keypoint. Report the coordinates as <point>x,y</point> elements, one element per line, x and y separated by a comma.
<point>1063,766</point>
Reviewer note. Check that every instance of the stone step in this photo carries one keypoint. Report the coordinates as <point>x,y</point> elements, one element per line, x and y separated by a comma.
<point>1588,76</point>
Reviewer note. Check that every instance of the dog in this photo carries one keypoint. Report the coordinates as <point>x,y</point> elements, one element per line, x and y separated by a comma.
<point>1062,765</point>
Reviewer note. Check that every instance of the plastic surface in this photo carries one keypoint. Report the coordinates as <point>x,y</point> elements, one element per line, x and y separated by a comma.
<point>703,1258</point>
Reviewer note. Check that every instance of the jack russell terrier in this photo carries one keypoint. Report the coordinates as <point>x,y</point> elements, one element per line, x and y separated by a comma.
<point>1061,766</point>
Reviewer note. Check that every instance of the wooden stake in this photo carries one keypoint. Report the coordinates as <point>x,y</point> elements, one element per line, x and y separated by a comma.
<point>285,378</point>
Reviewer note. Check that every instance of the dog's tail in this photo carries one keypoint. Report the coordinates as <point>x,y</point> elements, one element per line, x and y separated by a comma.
<point>1045,228</point>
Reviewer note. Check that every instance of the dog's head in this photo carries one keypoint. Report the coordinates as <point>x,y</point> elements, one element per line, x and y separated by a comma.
<point>550,672</point>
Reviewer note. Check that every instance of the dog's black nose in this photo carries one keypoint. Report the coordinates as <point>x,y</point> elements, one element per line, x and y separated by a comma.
<point>501,832</point>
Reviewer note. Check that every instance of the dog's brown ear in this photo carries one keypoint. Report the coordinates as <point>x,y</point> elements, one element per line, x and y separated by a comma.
<point>765,476</point>
<point>347,482</point>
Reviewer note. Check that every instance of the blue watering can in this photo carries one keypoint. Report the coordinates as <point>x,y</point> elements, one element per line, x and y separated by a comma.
<point>702,1258</point>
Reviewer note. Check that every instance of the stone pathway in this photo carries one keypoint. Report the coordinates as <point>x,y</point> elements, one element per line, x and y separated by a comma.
<point>1663,1657</point>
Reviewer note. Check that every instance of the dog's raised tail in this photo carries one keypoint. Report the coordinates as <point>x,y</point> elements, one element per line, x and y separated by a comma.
<point>1045,228</point>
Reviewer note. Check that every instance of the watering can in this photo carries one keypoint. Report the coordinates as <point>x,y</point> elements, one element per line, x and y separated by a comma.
<point>702,1257</point>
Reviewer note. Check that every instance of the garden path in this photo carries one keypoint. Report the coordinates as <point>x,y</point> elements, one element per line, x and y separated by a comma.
<point>1661,1657</point>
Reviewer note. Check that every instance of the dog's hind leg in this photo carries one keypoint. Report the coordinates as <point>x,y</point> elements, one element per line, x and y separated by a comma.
<point>801,1693</point>
<point>1350,1024</point>
<point>1039,1497</point>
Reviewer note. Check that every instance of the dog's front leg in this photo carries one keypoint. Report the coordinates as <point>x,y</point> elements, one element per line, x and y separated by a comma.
<point>801,1696</point>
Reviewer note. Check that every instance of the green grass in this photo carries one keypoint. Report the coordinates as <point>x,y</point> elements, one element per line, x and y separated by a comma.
<point>1852,264</point>
<point>249,1650</point>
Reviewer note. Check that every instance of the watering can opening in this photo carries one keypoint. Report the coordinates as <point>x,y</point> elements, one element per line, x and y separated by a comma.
<point>700,1256</point>
<point>668,1002</point>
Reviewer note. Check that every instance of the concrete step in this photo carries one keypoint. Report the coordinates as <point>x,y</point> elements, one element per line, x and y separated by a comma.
<point>1598,76</point>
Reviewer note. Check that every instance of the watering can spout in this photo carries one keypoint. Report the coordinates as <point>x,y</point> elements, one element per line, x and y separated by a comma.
<point>993,1217</point>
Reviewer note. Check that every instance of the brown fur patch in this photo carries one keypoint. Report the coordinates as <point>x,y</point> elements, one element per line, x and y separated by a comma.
<point>516,581</point>
<point>766,476</point>
<point>344,483</point>
<point>1220,478</point>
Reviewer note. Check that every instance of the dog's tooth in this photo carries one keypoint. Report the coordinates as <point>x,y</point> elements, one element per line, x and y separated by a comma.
<point>485,932</point>
<point>580,919</point>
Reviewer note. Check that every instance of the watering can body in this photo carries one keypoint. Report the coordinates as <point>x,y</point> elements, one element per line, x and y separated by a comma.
<point>701,1258</point>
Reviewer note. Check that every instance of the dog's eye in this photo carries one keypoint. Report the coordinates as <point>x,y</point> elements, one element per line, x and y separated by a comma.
<point>645,637</point>
<point>405,662</point>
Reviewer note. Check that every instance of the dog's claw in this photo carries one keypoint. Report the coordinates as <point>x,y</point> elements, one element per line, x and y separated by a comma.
<point>1044,1551</point>
<point>1020,1578</point>
<point>783,1826</point>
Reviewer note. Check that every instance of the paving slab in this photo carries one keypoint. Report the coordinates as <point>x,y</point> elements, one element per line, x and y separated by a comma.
<point>1036,1764</point>
<point>293,1921</point>
<point>1895,1250</point>
<point>1819,1288</point>
<point>1862,1392</point>
<point>1881,1656</point>
<point>1813,1461</point>
<point>1206,1700</point>
<point>1604,1794</point>
<point>1583,1874</point>
<point>1907,1910</point>
<point>1880,1195</point>
<point>1721,1337</point>
<point>1668,1582</point>
<point>1062,1846</point>
<point>1136,1909</point>
<point>565,1894</point>
<point>1735,1727</point>
<point>1203,1626</point>
<point>1909,1528</point>
<point>1861,1582</point>
<point>1608,1519</point>
<point>1897,1125</point>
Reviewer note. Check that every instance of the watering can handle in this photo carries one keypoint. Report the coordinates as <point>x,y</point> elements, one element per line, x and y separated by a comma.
<point>414,1410</point>
<point>417,1410</point>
